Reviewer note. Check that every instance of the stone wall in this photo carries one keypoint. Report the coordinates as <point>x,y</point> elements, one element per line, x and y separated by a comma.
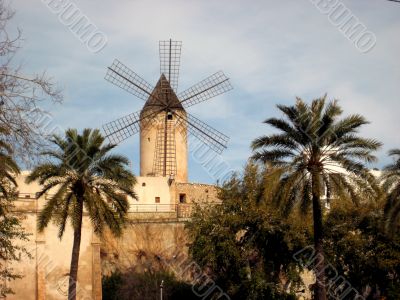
<point>155,238</point>
<point>157,241</point>
<point>145,246</point>
<point>195,193</point>
<point>45,275</point>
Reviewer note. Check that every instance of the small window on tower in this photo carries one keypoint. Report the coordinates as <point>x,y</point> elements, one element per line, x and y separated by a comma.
<point>182,198</point>
<point>157,199</point>
<point>169,116</point>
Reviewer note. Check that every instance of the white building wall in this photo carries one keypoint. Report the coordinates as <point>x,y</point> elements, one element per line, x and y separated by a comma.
<point>148,189</point>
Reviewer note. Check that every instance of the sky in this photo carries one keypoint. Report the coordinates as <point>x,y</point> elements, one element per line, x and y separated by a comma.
<point>272,51</point>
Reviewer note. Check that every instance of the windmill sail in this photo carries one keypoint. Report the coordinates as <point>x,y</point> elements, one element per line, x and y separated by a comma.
<point>170,59</point>
<point>214,139</point>
<point>123,77</point>
<point>208,88</point>
<point>163,152</point>
<point>120,129</point>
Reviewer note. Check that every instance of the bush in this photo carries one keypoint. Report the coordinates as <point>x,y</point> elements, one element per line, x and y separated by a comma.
<point>145,286</point>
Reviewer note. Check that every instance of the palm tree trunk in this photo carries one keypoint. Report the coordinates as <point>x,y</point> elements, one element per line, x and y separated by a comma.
<point>73,273</point>
<point>319,290</point>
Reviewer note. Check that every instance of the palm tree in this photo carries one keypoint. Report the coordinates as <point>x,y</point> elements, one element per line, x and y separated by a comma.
<point>391,184</point>
<point>8,169</point>
<point>83,175</point>
<point>317,157</point>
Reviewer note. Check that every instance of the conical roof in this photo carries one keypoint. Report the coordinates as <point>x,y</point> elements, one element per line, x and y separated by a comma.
<point>163,96</point>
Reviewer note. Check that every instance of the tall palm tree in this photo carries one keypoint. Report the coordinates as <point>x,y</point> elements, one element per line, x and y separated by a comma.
<point>317,157</point>
<point>391,184</point>
<point>83,175</point>
<point>8,169</point>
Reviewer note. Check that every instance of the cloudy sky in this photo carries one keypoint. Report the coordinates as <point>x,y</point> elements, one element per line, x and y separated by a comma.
<point>273,51</point>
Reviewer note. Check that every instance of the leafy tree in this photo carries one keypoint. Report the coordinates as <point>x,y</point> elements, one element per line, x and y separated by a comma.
<point>316,154</point>
<point>391,184</point>
<point>83,175</point>
<point>246,247</point>
<point>360,251</point>
<point>11,248</point>
<point>145,286</point>
<point>11,231</point>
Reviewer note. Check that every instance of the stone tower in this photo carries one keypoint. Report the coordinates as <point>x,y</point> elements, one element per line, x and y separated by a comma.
<point>163,135</point>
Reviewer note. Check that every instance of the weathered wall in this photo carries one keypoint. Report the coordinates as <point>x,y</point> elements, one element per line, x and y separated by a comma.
<point>46,274</point>
<point>144,246</point>
<point>156,241</point>
<point>196,193</point>
<point>154,238</point>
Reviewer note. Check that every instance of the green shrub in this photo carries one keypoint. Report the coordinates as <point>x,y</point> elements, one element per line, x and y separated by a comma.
<point>145,286</point>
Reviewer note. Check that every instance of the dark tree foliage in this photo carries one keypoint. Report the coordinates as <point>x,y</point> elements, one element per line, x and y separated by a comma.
<point>318,153</point>
<point>358,247</point>
<point>244,246</point>
<point>391,184</point>
<point>248,249</point>
<point>145,286</point>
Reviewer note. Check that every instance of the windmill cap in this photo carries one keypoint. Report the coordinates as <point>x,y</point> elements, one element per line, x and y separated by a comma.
<point>163,96</point>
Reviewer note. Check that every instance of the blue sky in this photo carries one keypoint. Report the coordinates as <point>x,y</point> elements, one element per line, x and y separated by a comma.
<point>273,51</point>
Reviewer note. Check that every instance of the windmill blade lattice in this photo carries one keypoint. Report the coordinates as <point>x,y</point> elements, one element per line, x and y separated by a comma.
<point>170,59</point>
<point>208,88</point>
<point>213,138</point>
<point>163,153</point>
<point>123,77</point>
<point>120,129</point>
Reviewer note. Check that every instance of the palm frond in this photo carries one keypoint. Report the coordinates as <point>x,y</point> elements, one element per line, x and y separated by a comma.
<point>276,140</point>
<point>391,185</point>
<point>84,174</point>
<point>51,207</point>
<point>321,155</point>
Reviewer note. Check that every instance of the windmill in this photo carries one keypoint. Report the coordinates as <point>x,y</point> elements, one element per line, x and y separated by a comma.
<point>163,122</point>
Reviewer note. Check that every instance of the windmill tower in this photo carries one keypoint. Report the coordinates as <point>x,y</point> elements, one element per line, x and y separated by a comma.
<point>163,123</point>
<point>163,138</point>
